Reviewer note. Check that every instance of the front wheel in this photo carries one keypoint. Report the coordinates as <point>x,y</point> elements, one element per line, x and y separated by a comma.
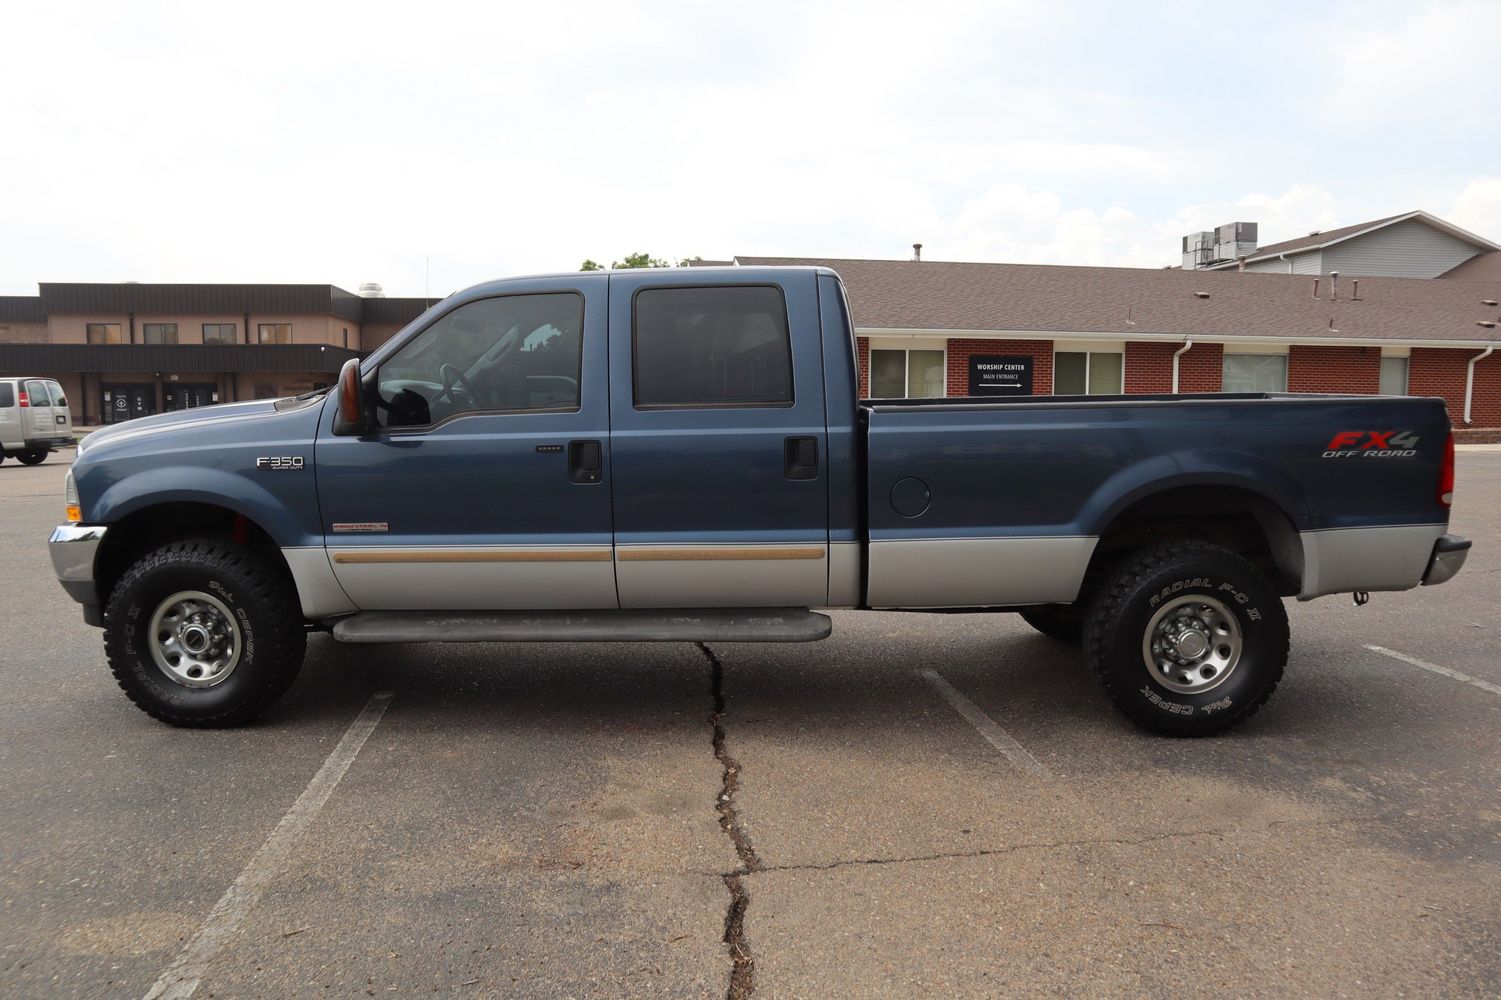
<point>1187,638</point>
<point>204,633</point>
<point>35,456</point>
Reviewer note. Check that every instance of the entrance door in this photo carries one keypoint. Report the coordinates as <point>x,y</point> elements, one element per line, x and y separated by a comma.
<point>487,483</point>
<point>126,402</point>
<point>187,395</point>
<point>720,454</point>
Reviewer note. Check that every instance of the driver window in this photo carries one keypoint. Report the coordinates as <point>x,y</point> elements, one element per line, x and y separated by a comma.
<point>516,352</point>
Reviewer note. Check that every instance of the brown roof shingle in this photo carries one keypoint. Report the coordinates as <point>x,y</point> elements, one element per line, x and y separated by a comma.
<point>1126,302</point>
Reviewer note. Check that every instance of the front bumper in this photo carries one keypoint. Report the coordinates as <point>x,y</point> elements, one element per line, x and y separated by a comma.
<point>1449,554</point>
<point>73,547</point>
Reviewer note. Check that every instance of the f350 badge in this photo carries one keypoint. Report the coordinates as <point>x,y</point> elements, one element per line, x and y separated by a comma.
<point>280,463</point>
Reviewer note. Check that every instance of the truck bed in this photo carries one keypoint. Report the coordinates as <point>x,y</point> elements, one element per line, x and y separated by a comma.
<point>1018,491</point>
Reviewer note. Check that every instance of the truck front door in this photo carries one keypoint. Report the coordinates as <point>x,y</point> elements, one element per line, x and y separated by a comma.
<point>718,441</point>
<point>486,484</point>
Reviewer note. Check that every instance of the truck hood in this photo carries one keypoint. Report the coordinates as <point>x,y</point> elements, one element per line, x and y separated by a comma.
<point>181,420</point>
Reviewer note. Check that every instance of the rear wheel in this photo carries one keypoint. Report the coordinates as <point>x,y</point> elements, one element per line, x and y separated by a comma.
<point>1064,622</point>
<point>35,456</point>
<point>204,633</point>
<point>1187,638</point>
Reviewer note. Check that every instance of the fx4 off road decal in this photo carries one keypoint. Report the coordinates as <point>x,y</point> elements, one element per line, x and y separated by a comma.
<point>1372,444</point>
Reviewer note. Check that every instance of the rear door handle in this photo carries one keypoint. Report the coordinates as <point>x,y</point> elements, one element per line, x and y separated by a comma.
<point>800,457</point>
<point>584,462</point>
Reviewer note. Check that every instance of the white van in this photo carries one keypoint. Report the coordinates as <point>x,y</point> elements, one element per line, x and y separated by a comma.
<point>34,419</point>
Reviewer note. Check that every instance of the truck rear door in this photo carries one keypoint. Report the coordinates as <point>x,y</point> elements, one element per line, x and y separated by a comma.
<point>719,445</point>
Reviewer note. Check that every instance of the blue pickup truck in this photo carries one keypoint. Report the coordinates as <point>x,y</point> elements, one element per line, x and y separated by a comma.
<point>683,455</point>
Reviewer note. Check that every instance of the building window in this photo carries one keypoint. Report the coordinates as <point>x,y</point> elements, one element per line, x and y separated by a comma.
<point>219,333</point>
<point>1088,373</point>
<point>102,333</point>
<point>274,333</point>
<point>346,336</point>
<point>915,374</point>
<point>1255,373</point>
<point>159,333</point>
<point>712,347</point>
<point>1393,377</point>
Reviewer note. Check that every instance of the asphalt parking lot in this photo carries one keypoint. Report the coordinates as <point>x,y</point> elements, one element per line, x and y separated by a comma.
<point>918,806</point>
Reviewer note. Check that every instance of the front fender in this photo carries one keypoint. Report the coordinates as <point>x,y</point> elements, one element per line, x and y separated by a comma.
<point>219,487</point>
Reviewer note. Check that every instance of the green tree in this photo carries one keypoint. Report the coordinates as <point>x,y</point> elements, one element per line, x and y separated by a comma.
<point>633,260</point>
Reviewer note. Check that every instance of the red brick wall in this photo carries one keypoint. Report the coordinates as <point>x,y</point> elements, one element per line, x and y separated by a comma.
<point>961,350</point>
<point>1333,369</point>
<point>1149,367</point>
<point>862,351</point>
<point>1437,371</point>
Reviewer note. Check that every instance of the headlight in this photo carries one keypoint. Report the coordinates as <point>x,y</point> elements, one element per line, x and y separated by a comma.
<point>70,497</point>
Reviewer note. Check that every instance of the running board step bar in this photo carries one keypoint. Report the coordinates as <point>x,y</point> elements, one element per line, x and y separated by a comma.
<point>702,625</point>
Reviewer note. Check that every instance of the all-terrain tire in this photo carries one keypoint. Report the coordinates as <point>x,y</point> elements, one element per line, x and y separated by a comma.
<point>1064,622</point>
<point>1117,638</point>
<point>263,603</point>
<point>35,456</point>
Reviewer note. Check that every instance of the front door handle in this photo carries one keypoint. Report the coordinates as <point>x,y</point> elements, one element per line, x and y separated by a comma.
<point>800,457</point>
<point>584,462</point>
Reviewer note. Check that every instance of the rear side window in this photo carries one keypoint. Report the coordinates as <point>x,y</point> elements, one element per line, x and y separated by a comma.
<point>7,395</point>
<point>700,347</point>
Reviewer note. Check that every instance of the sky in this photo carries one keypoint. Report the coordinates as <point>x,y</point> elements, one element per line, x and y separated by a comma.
<point>431,146</point>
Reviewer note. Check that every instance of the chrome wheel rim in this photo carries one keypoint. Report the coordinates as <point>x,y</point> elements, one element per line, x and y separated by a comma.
<point>1192,644</point>
<point>194,639</point>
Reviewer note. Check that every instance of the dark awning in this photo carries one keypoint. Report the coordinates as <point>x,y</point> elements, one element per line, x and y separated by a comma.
<point>43,358</point>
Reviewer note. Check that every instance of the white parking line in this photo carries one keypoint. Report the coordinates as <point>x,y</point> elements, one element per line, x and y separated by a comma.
<point>994,734</point>
<point>1445,671</point>
<point>184,974</point>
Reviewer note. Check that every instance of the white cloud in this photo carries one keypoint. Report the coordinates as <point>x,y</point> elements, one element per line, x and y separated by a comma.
<point>1478,208</point>
<point>1434,64</point>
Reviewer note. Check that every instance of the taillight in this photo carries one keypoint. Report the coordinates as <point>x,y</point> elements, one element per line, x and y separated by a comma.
<point>25,400</point>
<point>1446,475</point>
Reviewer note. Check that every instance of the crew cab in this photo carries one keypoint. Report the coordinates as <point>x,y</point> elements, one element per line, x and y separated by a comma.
<point>681,454</point>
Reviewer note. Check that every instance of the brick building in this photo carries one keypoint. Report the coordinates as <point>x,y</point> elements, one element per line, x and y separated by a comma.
<point>929,328</point>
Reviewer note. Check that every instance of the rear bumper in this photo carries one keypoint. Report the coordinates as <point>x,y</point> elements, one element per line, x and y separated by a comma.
<point>73,547</point>
<point>52,442</point>
<point>1449,554</point>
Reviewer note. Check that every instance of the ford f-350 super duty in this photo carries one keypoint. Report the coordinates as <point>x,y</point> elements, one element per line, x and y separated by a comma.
<point>682,455</point>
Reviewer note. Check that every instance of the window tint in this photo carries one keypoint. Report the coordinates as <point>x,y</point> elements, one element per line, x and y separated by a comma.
<point>7,394</point>
<point>712,347</point>
<point>1255,373</point>
<point>517,352</point>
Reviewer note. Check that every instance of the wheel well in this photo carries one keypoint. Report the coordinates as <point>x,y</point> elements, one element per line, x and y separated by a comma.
<point>1244,522</point>
<point>146,530</point>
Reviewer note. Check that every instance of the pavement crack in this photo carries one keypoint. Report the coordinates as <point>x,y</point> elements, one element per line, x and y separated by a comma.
<point>1046,845</point>
<point>742,963</point>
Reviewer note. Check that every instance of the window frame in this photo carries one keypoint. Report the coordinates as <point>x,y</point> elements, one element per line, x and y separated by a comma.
<point>119,329</point>
<point>636,360</point>
<point>161,329</point>
<point>1088,353</point>
<point>906,352</point>
<point>372,377</point>
<point>1286,357</point>
<point>234,334</point>
<point>1406,375</point>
